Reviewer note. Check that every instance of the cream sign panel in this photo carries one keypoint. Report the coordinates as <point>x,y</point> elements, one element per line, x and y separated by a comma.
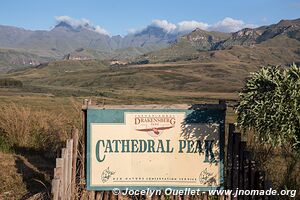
<point>156,149</point>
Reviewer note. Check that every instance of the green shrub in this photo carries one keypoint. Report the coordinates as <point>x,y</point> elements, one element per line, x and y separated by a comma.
<point>270,105</point>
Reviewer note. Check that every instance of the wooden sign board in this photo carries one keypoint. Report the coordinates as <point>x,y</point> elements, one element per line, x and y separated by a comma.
<point>156,147</point>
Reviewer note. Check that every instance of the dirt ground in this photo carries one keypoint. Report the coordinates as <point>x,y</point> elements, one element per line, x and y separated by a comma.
<point>24,176</point>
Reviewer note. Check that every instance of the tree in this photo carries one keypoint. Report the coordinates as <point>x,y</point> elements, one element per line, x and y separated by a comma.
<point>270,106</point>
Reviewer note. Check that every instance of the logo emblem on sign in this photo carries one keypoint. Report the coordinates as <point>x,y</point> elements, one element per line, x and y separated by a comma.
<point>106,174</point>
<point>154,124</point>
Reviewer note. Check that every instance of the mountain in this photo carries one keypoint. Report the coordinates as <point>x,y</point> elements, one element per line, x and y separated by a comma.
<point>277,43</point>
<point>64,41</point>
<point>65,38</point>
<point>274,44</point>
<point>150,36</point>
<point>202,40</point>
<point>247,36</point>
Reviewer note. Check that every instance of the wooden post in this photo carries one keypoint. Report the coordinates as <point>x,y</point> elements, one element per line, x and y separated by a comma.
<point>229,156</point>
<point>55,189</point>
<point>171,197</point>
<point>252,176</point>
<point>241,166</point>
<point>105,195</point>
<point>268,185</point>
<point>236,151</point>
<point>98,196</point>
<point>84,113</point>
<point>246,171</point>
<point>63,174</point>
<point>91,195</point>
<point>56,182</point>
<point>69,168</point>
<point>259,183</point>
<point>75,138</point>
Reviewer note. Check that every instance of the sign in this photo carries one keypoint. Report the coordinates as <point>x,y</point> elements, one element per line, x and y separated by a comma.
<point>142,148</point>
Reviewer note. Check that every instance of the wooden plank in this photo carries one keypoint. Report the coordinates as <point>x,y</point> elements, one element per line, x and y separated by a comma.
<point>241,166</point>
<point>91,195</point>
<point>105,195</point>
<point>230,156</point>
<point>259,182</point>
<point>84,146</point>
<point>62,177</point>
<point>98,196</point>
<point>57,172</point>
<point>112,196</point>
<point>221,106</point>
<point>65,173</point>
<point>55,189</point>
<point>235,168</point>
<point>252,174</point>
<point>59,162</point>
<point>246,171</point>
<point>75,137</point>
<point>147,197</point>
<point>69,168</point>
<point>269,185</point>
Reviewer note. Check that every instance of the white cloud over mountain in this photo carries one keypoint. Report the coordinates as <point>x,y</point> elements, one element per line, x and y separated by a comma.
<point>75,23</point>
<point>226,25</point>
<point>191,25</point>
<point>230,25</point>
<point>164,24</point>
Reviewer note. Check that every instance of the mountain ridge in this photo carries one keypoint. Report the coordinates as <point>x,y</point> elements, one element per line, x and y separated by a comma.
<point>151,44</point>
<point>199,43</point>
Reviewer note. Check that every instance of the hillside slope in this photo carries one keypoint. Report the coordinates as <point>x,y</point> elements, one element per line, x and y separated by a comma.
<point>274,44</point>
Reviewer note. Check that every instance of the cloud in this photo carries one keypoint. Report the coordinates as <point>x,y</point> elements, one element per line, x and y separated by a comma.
<point>164,24</point>
<point>226,25</point>
<point>101,30</point>
<point>191,25</point>
<point>230,25</point>
<point>75,23</point>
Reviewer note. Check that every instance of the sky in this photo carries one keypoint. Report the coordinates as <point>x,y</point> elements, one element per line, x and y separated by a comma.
<point>118,17</point>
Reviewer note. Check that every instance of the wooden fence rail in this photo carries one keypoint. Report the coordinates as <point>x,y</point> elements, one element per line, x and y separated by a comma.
<point>63,183</point>
<point>240,171</point>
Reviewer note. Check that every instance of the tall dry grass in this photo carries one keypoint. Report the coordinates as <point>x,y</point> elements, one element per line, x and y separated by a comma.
<point>40,130</point>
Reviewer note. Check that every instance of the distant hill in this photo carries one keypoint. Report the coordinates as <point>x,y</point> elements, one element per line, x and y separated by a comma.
<point>119,54</point>
<point>274,44</point>
<point>288,28</point>
<point>11,59</point>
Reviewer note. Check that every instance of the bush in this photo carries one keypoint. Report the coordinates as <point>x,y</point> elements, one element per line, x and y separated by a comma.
<point>38,130</point>
<point>270,105</point>
<point>9,82</point>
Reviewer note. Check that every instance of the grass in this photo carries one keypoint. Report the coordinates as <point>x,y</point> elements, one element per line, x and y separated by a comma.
<point>40,130</point>
<point>12,185</point>
<point>93,78</point>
